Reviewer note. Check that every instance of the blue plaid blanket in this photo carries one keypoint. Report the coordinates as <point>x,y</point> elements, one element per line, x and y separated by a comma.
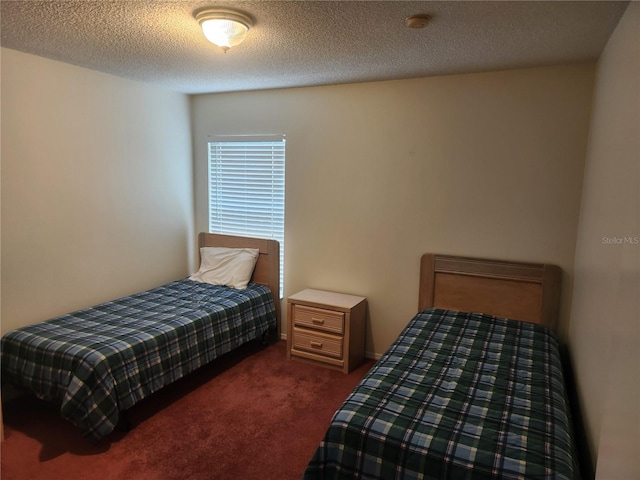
<point>100,361</point>
<point>457,395</point>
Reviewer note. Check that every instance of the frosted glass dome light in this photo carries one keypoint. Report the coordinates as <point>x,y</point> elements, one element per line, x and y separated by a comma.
<point>224,28</point>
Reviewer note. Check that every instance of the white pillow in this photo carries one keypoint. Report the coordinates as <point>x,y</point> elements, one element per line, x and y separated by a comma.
<point>232,267</point>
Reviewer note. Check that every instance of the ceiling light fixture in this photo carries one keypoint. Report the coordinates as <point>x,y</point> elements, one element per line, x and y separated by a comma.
<point>222,27</point>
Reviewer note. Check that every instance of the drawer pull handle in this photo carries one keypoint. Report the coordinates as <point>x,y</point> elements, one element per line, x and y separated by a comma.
<point>316,344</point>
<point>318,321</point>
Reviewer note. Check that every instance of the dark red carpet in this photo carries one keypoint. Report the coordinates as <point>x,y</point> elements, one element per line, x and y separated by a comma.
<point>250,415</point>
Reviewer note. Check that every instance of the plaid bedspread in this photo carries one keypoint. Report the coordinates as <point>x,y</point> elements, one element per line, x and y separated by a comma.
<point>457,395</point>
<point>100,361</point>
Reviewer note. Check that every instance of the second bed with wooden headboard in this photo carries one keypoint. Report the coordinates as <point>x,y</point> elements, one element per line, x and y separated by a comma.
<point>472,388</point>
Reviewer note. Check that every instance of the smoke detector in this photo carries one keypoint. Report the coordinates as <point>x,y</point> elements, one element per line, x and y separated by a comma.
<point>418,21</point>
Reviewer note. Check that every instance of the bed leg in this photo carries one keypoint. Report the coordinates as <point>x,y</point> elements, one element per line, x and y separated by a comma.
<point>124,424</point>
<point>268,337</point>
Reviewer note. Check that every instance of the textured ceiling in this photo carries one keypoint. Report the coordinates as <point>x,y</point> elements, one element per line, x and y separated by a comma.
<point>303,43</point>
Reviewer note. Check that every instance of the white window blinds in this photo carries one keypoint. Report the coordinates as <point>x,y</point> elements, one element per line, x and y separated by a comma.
<point>246,188</point>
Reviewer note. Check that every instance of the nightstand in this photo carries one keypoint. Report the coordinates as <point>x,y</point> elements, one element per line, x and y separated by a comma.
<point>326,328</point>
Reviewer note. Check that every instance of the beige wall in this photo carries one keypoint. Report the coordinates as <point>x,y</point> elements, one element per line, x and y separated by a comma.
<point>603,337</point>
<point>97,198</point>
<point>487,164</point>
<point>97,195</point>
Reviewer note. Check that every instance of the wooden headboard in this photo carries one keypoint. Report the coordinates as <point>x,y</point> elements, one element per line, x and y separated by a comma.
<point>520,291</point>
<point>267,270</point>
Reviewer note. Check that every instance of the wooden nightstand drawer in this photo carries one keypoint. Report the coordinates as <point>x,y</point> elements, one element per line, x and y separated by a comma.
<point>320,319</point>
<point>318,343</point>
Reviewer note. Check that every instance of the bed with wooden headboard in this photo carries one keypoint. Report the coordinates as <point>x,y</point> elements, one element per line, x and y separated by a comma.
<point>98,362</point>
<point>267,269</point>
<point>472,388</point>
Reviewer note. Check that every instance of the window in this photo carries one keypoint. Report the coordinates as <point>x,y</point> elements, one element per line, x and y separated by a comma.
<point>246,188</point>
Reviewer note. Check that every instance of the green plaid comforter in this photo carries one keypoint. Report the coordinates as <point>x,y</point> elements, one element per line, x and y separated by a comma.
<point>100,361</point>
<point>457,395</point>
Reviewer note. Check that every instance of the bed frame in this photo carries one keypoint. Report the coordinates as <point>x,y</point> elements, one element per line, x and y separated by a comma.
<point>519,291</point>
<point>267,270</point>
